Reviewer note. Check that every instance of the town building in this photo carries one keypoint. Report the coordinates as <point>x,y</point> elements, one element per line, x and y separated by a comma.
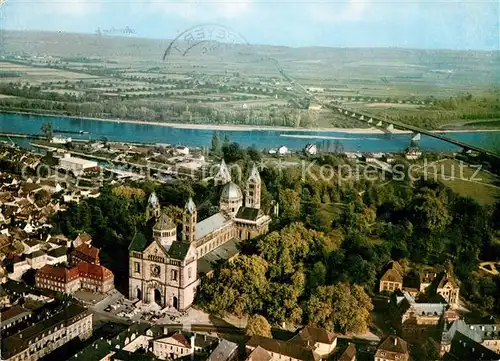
<point>59,279</point>
<point>279,350</point>
<point>84,275</point>
<point>180,344</point>
<point>349,353</point>
<point>392,279</point>
<point>323,342</point>
<point>392,348</point>
<point>310,344</point>
<point>413,153</point>
<point>165,270</point>
<point>76,165</point>
<point>447,286</point>
<point>85,253</point>
<point>460,338</point>
<point>13,315</point>
<point>32,341</point>
<point>225,351</point>
<point>311,149</point>
<point>415,318</point>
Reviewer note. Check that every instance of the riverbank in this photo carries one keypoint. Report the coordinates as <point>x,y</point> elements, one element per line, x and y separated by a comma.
<point>242,127</point>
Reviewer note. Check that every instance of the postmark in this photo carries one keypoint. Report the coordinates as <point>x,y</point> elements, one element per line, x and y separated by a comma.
<point>205,39</point>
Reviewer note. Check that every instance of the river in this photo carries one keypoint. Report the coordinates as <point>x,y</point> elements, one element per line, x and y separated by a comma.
<point>262,139</point>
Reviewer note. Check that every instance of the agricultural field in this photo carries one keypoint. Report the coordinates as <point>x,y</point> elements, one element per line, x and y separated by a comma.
<point>128,77</point>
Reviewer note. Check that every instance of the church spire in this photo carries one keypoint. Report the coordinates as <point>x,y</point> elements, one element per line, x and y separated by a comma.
<point>189,222</point>
<point>223,175</point>
<point>253,189</point>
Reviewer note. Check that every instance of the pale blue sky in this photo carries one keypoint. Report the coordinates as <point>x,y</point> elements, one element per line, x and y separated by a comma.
<point>428,24</point>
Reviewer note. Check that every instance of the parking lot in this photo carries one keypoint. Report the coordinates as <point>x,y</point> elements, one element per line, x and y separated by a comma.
<point>117,306</point>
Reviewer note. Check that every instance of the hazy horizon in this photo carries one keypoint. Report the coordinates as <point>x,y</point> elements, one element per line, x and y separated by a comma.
<point>405,24</point>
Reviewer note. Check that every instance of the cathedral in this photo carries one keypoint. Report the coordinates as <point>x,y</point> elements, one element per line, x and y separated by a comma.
<point>166,269</point>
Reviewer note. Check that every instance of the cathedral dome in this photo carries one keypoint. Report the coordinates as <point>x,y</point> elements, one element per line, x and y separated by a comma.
<point>231,192</point>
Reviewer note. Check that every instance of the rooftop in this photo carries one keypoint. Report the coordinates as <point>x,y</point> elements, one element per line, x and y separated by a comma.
<point>248,214</point>
<point>87,250</point>
<point>178,250</point>
<point>211,224</point>
<point>223,252</point>
<point>20,341</point>
<point>393,344</point>
<point>223,351</point>
<point>285,348</point>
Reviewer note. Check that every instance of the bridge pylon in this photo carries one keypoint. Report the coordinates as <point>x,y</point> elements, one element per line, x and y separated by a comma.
<point>370,121</point>
<point>416,137</point>
<point>353,115</point>
<point>379,124</point>
<point>362,117</point>
<point>390,127</point>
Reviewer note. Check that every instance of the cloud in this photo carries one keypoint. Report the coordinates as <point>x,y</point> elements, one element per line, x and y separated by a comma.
<point>353,10</point>
<point>206,10</point>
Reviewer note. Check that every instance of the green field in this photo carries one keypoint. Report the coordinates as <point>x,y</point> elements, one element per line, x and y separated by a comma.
<point>430,89</point>
<point>465,180</point>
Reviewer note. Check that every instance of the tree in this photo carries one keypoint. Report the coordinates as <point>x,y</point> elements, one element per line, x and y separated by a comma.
<point>340,307</point>
<point>257,325</point>
<point>47,130</point>
<point>216,147</point>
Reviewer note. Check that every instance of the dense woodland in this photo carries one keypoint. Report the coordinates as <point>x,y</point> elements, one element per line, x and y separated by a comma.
<point>320,262</point>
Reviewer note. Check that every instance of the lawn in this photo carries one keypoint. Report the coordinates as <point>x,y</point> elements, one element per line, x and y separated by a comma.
<point>484,187</point>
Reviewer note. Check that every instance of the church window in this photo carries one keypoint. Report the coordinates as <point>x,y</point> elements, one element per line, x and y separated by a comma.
<point>174,275</point>
<point>189,273</point>
<point>137,267</point>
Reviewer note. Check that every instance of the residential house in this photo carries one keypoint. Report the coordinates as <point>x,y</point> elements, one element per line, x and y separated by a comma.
<point>392,348</point>
<point>283,150</point>
<point>447,287</point>
<point>57,255</point>
<point>392,279</point>
<point>53,329</point>
<point>13,315</point>
<point>412,153</point>
<point>349,354</point>
<point>320,340</point>
<point>180,344</point>
<point>311,149</point>
<point>37,259</point>
<point>85,253</point>
<point>279,350</point>
<point>31,245</point>
<point>460,337</point>
<point>225,351</point>
<point>416,318</point>
<point>82,238</point>
<point>259,354</point>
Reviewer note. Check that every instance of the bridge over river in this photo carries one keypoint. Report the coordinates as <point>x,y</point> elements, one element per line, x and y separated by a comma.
<point>390,125</point>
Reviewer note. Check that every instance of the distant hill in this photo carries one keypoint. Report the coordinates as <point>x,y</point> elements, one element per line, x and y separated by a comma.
<point>474,67</point>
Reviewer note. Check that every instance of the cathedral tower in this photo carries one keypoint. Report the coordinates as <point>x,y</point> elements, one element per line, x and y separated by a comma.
<point>223,175</point>
<point>153,209</point>
<point>165,231</point>
<point>189,222</point>
<point>252,189</point>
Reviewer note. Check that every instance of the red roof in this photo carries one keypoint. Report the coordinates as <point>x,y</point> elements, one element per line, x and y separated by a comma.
<point>61,274</point>
<point>87,250</point>
<point>94,271</point>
